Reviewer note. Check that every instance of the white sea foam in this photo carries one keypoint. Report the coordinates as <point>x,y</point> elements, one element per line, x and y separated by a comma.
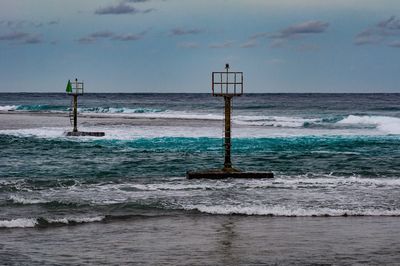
<point>43,132</point>
<point>116,110</point>
<point>8,107</point>
<point>32,222</point>
<point>175,186</point>
<point>252,120</point>
<point>163,115</point>
<point>326,181</point>
<point>69,220</point>
<point>285,211</point>
<point>274,121</point>
<point>18,223</point>
<point>23,200</point>
<point>124,132</point>
<point>120,133</point>
<point>387,124</point>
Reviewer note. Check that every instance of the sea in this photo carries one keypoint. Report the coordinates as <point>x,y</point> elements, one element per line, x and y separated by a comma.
<point>124,199</point>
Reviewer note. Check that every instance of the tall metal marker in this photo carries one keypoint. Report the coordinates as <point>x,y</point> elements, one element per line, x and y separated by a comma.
<point>75,89</point>
<point>227,84</point>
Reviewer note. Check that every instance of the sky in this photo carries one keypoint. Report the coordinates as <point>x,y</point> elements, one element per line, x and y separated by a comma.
<point>293,46</point>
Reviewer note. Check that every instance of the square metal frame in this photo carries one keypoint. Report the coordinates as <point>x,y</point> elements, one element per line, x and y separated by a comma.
<point>227,83</point>
<point>77,88</point>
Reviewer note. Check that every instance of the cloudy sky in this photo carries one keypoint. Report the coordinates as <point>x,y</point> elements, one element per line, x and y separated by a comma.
<point>174,45</point>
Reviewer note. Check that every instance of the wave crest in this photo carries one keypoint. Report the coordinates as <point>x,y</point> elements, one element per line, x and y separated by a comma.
<point>288,212</point>
<point>44,222</point>
<point>8,107</point>
<point>387,124</point>
<point>118,110</point>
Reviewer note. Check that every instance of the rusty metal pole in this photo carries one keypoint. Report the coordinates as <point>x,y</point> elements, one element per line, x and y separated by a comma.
<point>75,113</point>
<point>227,163</point>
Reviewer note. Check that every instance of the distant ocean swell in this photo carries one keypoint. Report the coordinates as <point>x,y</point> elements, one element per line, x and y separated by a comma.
<point>56,108</point>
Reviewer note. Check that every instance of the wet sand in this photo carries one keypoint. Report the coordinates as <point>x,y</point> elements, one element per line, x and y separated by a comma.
<point>209,240</point>
<point>24,120</point>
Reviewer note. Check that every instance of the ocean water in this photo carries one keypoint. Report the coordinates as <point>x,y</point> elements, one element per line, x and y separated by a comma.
<point>333,155</point>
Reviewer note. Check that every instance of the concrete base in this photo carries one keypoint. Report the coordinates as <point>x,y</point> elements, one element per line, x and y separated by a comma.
<point>221,174</point>
<point>83,134</point>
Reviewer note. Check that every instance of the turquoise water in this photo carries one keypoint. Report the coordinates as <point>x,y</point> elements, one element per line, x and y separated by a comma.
<point>332,155</point>
<point>27,157</point>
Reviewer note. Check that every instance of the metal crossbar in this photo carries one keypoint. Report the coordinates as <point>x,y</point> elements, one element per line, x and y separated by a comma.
<point>77,88</point>
<point>227,83</point>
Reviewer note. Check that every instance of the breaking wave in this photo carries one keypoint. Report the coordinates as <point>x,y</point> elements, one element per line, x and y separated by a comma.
<point>387,124</point>
<point>289,212</point>
<point>36,108</point>
<point>45,222</point>
<point>60,108</point>
<point>275,121</point>
<point>116,110</point>
<point>21,200</point>
<point>8,107</point>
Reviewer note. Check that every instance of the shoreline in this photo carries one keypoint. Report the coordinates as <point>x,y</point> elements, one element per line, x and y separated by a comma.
<point>42,223</point>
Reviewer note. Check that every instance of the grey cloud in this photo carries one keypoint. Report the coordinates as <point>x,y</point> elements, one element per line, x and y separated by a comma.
<point>33,39</point>
<point>128,37</point>
<point>181,31</point>
<point>304,28</point>
<point>147,10</point>
<point>395,44</point>
<point>18,24</point>
<point>368,36</point>
<point>14,36</point>
<point>95,36</point>
<point>136,1</point>
<point>379,33</point>
<point>53,22</point>
<point>296,31</point>
<point>391,24</point>
<point>91,38</point>
<point>23,23</point>
<point>86,40</point>
<point>119,9</point>
<point>22,38</point>
<point>102,34</point>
